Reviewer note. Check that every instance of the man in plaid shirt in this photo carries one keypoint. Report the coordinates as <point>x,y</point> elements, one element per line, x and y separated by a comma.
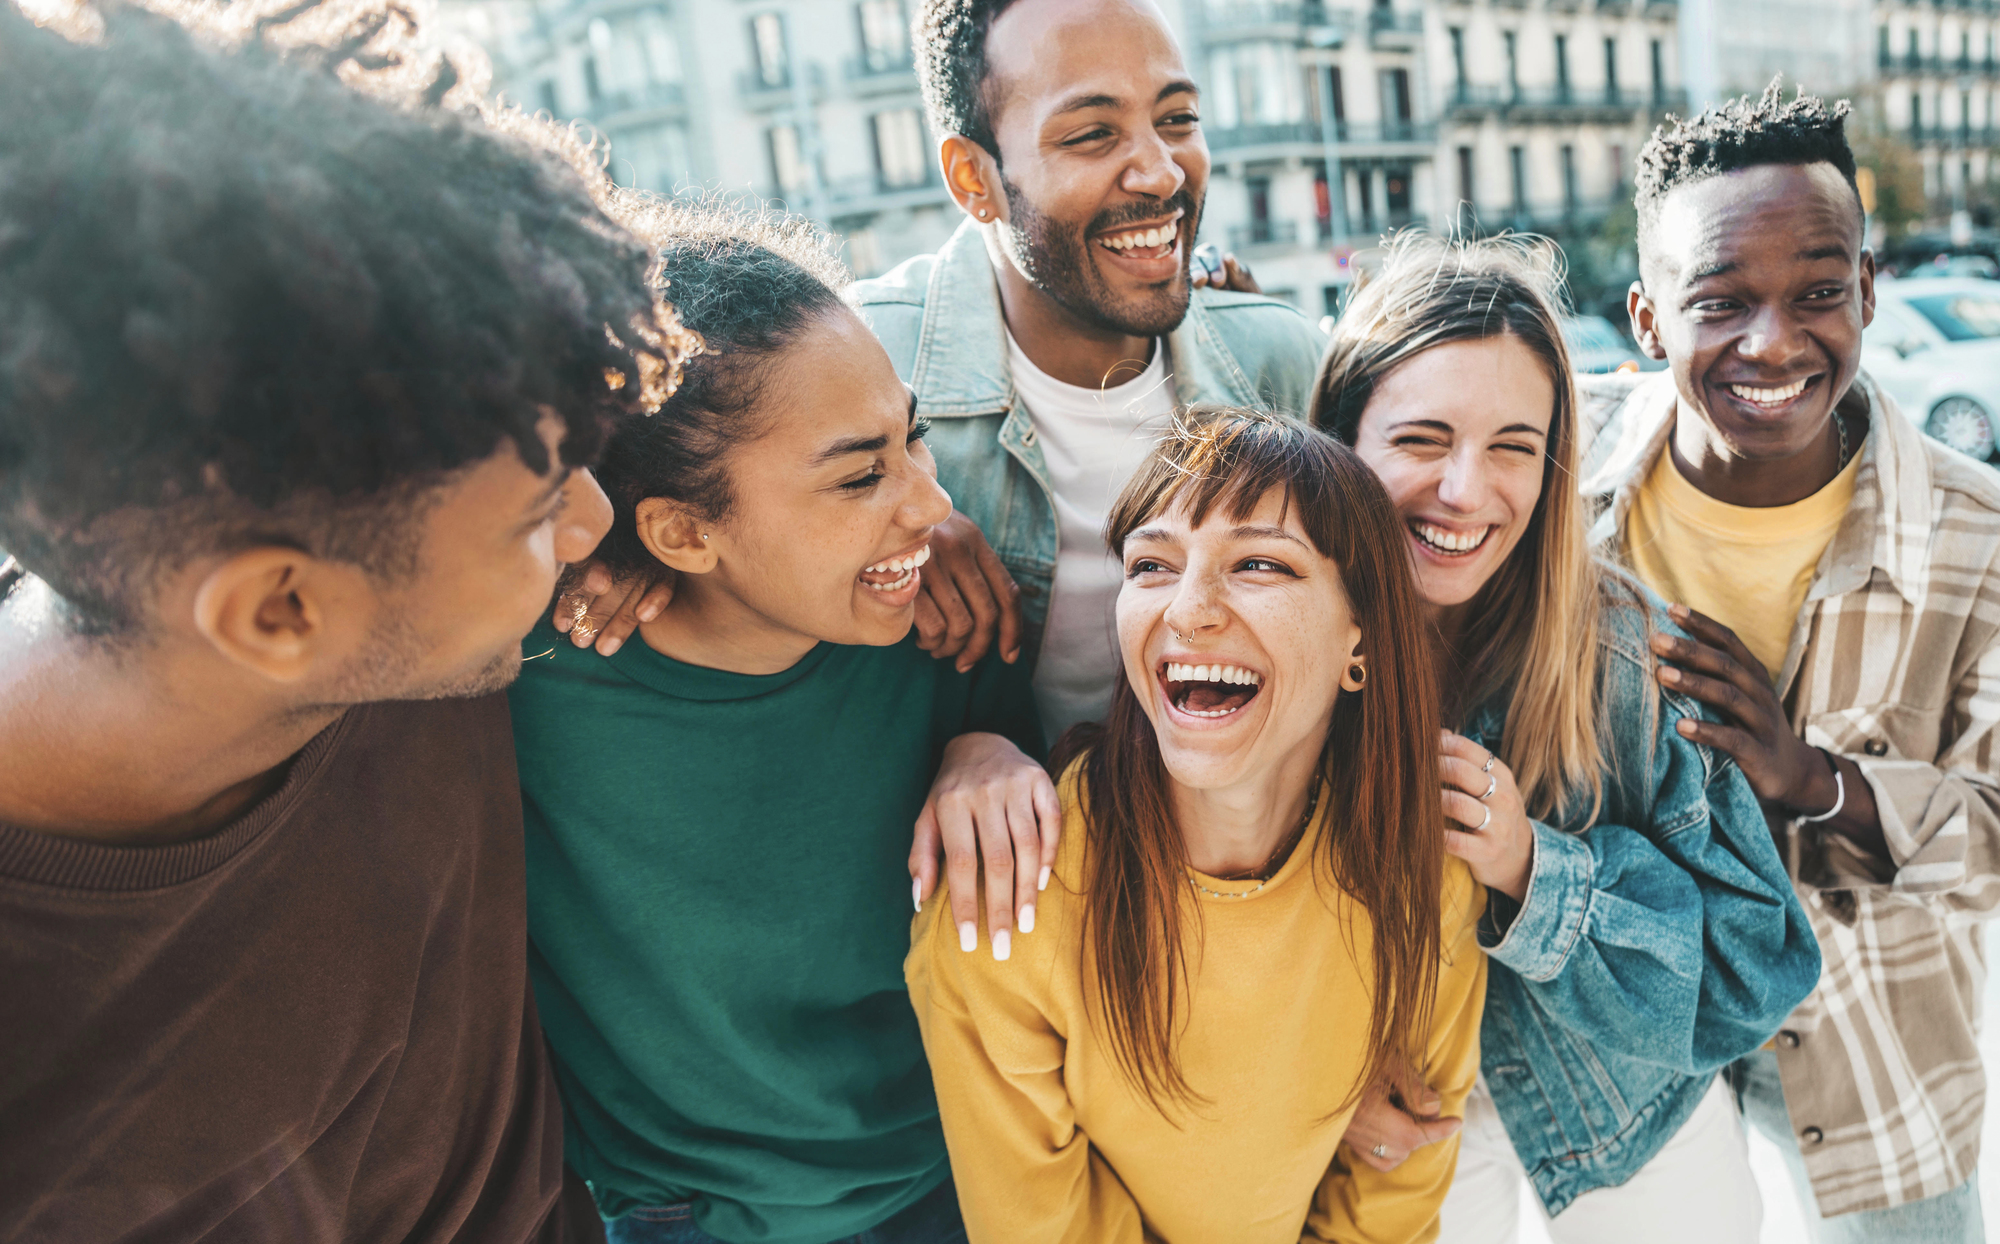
<point>1845,596</point>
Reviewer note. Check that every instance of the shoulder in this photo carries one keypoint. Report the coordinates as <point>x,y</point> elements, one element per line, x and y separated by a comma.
<point>1969,488</point>
<point>892,306</point>
<point>1257,325</point>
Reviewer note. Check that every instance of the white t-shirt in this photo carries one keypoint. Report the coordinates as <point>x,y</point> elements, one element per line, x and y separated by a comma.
<point>1092,440</point>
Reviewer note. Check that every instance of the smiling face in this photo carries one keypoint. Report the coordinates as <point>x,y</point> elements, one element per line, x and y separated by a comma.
<point>834,504</point>
<point>1101,158</point>
<point>1756,290</point>
<point>1235,636</point>
<point>1459,436</point>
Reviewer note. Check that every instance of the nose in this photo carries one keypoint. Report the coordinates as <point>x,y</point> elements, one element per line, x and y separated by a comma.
<point>1464,486</point>
<point>586,516</point>
<point>1197,603</point>
<point>1152,171</point>
<point>926,505</point>
<point>1773,337</point>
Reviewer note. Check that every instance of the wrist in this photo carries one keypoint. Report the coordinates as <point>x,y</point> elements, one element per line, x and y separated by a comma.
<point>1818,789</point>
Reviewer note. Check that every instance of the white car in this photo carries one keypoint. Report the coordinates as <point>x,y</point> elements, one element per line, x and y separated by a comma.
<point>1935,346</point>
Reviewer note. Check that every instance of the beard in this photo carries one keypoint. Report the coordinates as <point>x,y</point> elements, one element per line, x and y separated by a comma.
<point>391,667</point>
<point>1055,257</point>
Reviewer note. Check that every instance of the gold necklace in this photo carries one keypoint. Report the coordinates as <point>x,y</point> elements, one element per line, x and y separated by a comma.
<point>1280,853</point>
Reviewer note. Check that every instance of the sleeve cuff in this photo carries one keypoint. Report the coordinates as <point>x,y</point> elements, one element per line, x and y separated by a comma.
<point>1534,937</point>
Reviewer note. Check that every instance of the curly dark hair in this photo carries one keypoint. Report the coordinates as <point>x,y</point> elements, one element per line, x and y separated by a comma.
<point>1741,133</point>
<point>749,284</point>
<point>243,301</point>
<point>951,67</point>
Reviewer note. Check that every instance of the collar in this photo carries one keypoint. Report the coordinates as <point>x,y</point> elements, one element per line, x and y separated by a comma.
<point>961,361</point>
<point>1888,525</point>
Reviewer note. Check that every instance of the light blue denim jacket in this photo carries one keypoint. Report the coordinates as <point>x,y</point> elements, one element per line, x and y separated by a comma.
<point>939,318</point>
<point>1654,944</point>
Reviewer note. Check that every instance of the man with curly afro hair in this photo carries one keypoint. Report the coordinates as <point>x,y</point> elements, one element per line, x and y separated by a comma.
<point>303,355</point>
<point>1838,576</point>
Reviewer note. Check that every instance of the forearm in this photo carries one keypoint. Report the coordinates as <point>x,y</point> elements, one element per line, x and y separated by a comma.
<point>1856,818</point>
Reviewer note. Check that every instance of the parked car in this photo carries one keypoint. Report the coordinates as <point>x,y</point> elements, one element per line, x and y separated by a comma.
<point>1935,346</point>
<point>1595,345</point>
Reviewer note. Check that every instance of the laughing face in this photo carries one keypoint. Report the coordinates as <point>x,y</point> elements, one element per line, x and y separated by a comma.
<point>1756,290</point>
<point>1459,436</point>
<point>833,506</point>
<point>1103,162</point>
<point>1235,635</point>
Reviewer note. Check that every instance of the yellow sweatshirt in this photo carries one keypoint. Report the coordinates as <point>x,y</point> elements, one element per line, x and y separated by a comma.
<point>1050,1141</point>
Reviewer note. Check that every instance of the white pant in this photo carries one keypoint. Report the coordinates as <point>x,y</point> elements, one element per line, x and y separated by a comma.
<point>1699,1188</point>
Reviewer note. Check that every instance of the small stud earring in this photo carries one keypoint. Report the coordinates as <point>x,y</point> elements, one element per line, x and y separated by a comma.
<point>982,213</point>
<point>704,537</point>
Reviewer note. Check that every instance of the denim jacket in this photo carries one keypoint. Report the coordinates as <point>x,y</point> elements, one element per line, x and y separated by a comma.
<point>1654,944</point>
<point>939,318</point>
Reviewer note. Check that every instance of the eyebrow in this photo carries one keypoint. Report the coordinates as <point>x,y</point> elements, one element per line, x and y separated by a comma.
<point>1160,535</point>
<point>859,444</point>
<point>1083,103</point>
<point>1440,425</point>
<point>1832,250</point>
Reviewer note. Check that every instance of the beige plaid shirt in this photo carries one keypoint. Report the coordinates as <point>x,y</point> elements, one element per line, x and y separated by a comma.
<point>1894,663</point>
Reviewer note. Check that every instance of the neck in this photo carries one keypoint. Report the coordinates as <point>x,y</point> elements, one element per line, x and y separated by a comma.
<point>1064,345</point>
<point>707,626</point>
<point>113,747</point>
<point>1707,462</point>
<point>1237,829</point>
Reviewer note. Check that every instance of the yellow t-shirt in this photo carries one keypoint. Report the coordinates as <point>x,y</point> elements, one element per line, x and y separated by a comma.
<point>1748,568</point>
<point>1051,1142</point>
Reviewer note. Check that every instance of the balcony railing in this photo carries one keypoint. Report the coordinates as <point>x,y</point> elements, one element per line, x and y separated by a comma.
<point>1309,132</point>
<point>875,72</point>
<point>660,95</point>
<point>1955,136</point>
<point>1264,19</point>
<point>758,92</point>
<point>1263,233</point>
<point>1910,66</point>
<point>1610,104</point>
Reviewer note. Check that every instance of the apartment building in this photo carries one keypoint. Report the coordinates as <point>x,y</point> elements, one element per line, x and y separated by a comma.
<point>1938,78</point>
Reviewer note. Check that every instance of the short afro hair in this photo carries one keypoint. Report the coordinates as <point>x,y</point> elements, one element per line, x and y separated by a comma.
<point>250,294</point>
<point>951,67</point>
<point>1739,134</point>
<point>750,284</point>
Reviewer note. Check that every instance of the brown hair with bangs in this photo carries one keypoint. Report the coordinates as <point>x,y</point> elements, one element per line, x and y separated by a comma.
<point>1378,769</point>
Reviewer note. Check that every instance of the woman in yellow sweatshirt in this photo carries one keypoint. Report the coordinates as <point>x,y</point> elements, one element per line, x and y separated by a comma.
<point>1251,910</point>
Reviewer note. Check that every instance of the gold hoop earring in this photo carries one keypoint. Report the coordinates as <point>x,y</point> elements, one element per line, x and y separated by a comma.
<point>1359,673</point>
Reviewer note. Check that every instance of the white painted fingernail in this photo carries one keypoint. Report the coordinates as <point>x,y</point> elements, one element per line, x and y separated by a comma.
<point>1002,944</point>
<point>968,936</point>
<point>1028,918</point>
<point>917,893</point>
<point>1043,884</point>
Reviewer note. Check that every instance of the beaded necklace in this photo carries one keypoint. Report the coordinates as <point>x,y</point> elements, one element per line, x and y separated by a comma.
<point>1272,865</point>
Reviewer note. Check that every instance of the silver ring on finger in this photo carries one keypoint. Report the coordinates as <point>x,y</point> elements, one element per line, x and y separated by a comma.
<point>1486,820</point>
<point>1491,758</point>
<point>1492,784</point>
<point>1381,1151</point>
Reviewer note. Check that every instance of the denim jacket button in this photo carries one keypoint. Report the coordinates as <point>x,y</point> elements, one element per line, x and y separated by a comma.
<point>1812,1135</point>
<point>1789,1039</point>
<point>1028,437</point>
<point>1876,747</point>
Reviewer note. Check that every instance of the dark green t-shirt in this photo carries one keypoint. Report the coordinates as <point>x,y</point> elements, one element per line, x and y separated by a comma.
<point>719,909</point>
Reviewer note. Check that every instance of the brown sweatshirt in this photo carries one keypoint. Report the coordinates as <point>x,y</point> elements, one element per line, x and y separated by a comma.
<point>311,1026</point>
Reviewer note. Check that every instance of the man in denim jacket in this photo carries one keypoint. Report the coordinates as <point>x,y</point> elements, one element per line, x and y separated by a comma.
<point>1059,327</point>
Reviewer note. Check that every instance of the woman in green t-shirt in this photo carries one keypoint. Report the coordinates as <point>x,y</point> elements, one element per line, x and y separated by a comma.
<point>718,813</point>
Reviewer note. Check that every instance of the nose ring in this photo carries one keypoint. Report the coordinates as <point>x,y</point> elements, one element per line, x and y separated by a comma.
<point>1177,635</point>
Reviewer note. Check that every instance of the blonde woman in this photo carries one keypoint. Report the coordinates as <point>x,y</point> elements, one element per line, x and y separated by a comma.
<point>1640,927</point>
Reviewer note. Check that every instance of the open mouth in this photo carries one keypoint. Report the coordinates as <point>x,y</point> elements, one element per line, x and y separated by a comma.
<point>1159,241</point>
<point>897,573</point>
<point>1772,397</point>
<point>1446,542</point>
<point>1209,690</point>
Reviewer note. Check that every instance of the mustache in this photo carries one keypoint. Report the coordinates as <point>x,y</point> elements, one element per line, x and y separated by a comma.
<point>1137,213</point>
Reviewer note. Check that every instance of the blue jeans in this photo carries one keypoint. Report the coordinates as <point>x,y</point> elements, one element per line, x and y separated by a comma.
<point>932,1219</point>
<point>1945,1219</point>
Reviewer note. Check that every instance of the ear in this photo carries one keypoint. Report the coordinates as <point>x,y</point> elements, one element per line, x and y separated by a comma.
<point>973,178</point>
<point>1867,287</point>
<point>674,536</point>
<point>272,610</point>
<point>1645,326</point>
<point>1355,676</point>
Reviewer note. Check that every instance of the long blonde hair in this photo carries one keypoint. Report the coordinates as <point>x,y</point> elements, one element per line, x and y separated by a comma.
<point>1534,625</point>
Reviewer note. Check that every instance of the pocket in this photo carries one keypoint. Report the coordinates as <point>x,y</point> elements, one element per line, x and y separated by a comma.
<point>1897,731</point>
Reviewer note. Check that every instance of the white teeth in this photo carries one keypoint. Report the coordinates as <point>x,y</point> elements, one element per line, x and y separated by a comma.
<point>895,585</point>
<point>1177,672</point>
<point>1768,395</point>
<point>1159,236</point>
<point>1452,541</point>
<point>911,562</point>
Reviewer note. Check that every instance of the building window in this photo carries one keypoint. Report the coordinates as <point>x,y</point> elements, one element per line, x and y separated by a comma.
<point>767,42</point>
<point>1512,42</point>
<point>1364,184</point>
<point>788,159</point>
<point>883,32</point>
<point>593,90</point>
<point>1260,207</point>
<point>1395,103</point>
<point>1517,163</point>
<point>1882,53</point>
<point>1617,171</point>
<point>1611,69</point>
<point>1323,205</point>
<point>1458,59</point>
<point>900,157</point>
<point>653,157</point>
<point>1916,117</point>
<point>545,93</point>
<point>1569,179</point>
<point>1562,67</point>
<point>1396,195</point>
<point>1914,55</point>
<point>1659,72</point>
<point>1465,186</point>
